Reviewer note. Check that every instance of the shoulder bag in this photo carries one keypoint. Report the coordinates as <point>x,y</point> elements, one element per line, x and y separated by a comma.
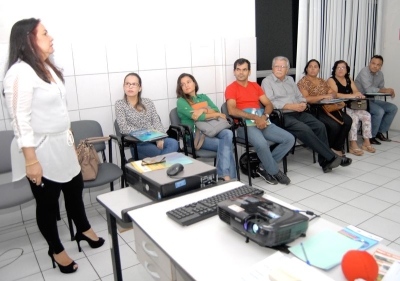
<point>328,108</point>
<point>88,158</point>
<point>357,104</point>
<point>209,128</point>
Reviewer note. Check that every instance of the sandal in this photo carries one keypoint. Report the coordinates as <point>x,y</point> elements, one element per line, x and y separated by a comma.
<point>356,151</point>
<point>368,148</point>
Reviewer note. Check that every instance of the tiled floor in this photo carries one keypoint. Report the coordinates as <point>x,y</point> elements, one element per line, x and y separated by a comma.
<point>365,194</point>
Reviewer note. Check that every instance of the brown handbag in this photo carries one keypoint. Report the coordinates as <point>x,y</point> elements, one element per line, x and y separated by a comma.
<point>88,158</point>
<point>328,108</point>
<point>333,106</point>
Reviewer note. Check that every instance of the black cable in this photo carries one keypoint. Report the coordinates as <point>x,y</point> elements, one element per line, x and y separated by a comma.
<point>22,252</point>
<point>310,213</point>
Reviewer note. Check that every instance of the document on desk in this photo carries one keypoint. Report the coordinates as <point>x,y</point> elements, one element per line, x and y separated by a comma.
<point>171,159</point>
<point>326,249</point>
<point>280,266</point>
<point>357,234</point>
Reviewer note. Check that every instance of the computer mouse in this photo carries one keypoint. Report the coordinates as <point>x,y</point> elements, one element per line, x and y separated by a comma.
<point>175,169</point>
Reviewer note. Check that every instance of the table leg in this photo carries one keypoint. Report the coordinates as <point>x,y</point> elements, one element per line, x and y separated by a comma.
<point>114,248</point>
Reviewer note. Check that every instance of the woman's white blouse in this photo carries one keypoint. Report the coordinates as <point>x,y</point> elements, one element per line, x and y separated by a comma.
<point>40,119</point>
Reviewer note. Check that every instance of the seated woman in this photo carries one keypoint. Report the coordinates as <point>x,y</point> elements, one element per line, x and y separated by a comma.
<point>134,112</point>
<point>186,91</point>
<point>341,83</point>
<point>315,89</point>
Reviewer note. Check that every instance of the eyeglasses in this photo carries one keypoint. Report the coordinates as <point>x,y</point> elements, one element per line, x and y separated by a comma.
<point>280,66</point>
<point>341,68</point>
<point>134,85</point>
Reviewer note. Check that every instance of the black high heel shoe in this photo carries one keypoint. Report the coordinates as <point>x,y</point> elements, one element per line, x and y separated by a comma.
<point>64,269</point>
<point>93,244</point>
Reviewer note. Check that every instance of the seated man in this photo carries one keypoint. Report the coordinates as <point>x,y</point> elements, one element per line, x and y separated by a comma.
<point>284,94</point>
<point>244,95</point>
<point>370,80</point>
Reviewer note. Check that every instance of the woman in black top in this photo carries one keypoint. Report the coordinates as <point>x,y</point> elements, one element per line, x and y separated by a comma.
<point>341,83</point>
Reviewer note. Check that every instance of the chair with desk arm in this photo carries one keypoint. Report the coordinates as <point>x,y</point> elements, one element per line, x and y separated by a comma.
<point>125,141</point>
<point>11,193</point>
<point>186,131</point>
<point>276,117</point>
<point>108,171</point>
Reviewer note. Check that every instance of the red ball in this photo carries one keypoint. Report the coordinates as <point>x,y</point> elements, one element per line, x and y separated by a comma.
<point>359,264</point>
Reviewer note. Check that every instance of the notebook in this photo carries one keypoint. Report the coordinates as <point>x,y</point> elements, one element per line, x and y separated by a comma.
<point>255,111</point>
<point>326,249</point>
<point>357,234</point>
<point>146,135</point>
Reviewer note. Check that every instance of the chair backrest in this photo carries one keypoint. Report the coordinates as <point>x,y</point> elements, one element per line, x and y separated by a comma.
<point>117,130</point>
<point>173,117</point>
<point>11,193</point>
<point>84,129</point>
<point>6,138</point>
<point>224,109</point>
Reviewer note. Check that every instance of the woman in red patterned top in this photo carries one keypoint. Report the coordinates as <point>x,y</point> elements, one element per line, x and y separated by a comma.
<point>315,89</point>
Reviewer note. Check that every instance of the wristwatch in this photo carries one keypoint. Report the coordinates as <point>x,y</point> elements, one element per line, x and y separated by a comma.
<point>267,115</point>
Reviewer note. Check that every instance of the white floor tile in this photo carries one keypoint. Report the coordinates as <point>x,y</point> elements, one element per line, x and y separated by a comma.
<point>385,194</point>
<point>315,185</point>
<point>391,213</point>
<point>295,193</point>
<point>382,227</point>
<point>320,203</point>
<point>133,273</point>
<point>102,261</point>
<point>24,266</point>
<point>369,204</point>
<point>340,194</point>
<point>349,214</point>
<point>333,178</point>
<point>375,179</point>
<point>394,185</point>
<point>358,186</point>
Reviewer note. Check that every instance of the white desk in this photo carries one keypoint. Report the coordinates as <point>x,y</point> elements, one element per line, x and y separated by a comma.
<point>115,202</point>
<point>207,250</point>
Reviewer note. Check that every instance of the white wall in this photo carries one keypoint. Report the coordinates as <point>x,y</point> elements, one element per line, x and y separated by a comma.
<point>97,44</point>
<point>390,51</point>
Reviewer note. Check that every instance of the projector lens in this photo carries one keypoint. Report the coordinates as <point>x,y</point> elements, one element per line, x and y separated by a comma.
<point>255,228</point>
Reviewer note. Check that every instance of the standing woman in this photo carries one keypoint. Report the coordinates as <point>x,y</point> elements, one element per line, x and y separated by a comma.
<point>346,88</point>
<point>134,112</point>
<point>186,91</point>
<point>36,101</point>
<point>315,89</point>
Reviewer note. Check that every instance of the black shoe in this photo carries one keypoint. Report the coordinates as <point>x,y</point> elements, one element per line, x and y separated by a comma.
<point>64,269</point>
<point>374,141</point>
<point>93,244</point>
<point>345,161</point>
<point>382,137</point>
<point>282,178</point>
<point>267,177</point>
<point>327,166</point>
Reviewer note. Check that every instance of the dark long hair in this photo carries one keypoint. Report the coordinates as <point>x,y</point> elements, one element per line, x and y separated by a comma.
<point>139,105</point>
<point>347,75</point>
<point>308,63</point>
<point>23,46</point>
<point>179,91</point>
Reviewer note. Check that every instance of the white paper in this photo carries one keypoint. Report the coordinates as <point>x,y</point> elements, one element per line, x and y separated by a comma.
<point>393,273</point>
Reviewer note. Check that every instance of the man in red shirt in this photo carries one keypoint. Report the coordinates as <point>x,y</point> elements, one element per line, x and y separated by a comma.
<point>243,99</point>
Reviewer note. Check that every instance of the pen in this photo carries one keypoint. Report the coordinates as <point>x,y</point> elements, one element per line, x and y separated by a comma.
<point>304,252</point>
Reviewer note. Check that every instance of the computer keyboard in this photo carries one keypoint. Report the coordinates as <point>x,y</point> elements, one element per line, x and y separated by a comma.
<point>205,208</point>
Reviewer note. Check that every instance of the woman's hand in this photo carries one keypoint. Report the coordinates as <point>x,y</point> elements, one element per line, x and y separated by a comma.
<point>34,173</point>
<point>221,115</point>
<point>160,144</point>
<point>358,95</point>
<point>196,113</point>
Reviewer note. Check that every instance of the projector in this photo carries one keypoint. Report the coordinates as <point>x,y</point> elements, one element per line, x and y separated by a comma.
<point>262,221</point>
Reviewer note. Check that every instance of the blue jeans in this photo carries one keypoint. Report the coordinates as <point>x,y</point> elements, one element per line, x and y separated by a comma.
<point>150,149</point>
<point>261,141</point>
<point>222,144</point>
<point>382,115</point>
